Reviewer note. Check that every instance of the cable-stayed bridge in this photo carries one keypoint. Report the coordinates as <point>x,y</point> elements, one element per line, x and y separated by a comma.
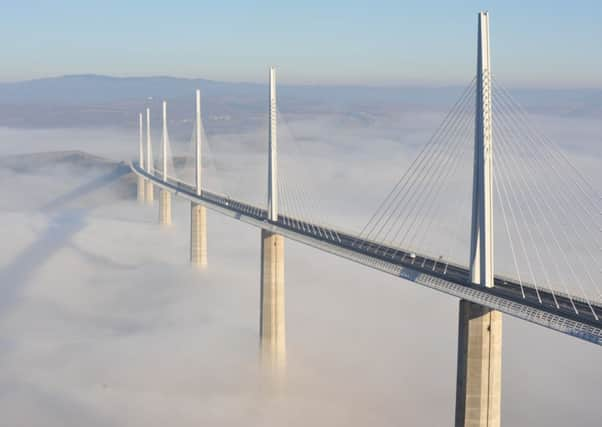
<point>546,222</point>
<point>506,296</point>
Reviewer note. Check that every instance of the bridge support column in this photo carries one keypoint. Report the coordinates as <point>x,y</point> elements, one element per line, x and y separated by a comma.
<point>272,333</point>
<point>164,207</point>
<point>198,235</point>
<point>479,382</point>
<point>272,330</point>
<point>198,213</point>
<point>149,192</point>
<point>140,189</point>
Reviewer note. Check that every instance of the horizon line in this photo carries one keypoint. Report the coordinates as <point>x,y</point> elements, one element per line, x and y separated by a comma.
<point>405,85</point>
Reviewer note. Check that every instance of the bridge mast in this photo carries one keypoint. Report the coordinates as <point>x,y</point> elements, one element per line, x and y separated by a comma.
<point>272,160</point>
<point>479,371</point>
<point>164,143</point>
<point>198,215</point>
<point>140,180</point>
<point>272,334</point>
<point>149,190</point>
<point>140,142</point>
<point>481,242</point>
<point>198,152</point>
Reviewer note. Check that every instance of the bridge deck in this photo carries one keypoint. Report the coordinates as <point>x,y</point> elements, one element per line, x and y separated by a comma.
<point>569,315</point>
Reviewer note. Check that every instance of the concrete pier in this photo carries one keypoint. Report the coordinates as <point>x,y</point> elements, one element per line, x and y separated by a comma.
<point>272,330</point>
<point>165,207</point>
<point>479,382</point>
<point>140,189</point>
<point>149,192</point>
<point>198,213</point>
<point>198,235</point>
<point>272,326</point>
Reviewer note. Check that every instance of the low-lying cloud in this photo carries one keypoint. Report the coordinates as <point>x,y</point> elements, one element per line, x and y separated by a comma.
<point>103,322</point>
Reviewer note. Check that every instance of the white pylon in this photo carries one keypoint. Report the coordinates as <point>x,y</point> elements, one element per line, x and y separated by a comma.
<point>140,184</point>
<point>149,159</point>
<point>273,145</point>
<point>140,142</point>
<point>481,242</point>
<point>198,152</point>
<point>164,142</point>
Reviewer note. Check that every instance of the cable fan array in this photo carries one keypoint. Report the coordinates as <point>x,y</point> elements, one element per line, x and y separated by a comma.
<point>298,203</point>
<point>547,221</point>
<point>426,210</point>
<point>165,158</point>
<point>212,171</point>
<point>242,177</point>
<point>547,234</point>
<point>549,211</point>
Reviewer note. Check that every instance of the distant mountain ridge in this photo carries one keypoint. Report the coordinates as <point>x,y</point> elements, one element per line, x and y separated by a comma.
<point>80,89</point>
<point>99,89</point>
<point>99,100</point>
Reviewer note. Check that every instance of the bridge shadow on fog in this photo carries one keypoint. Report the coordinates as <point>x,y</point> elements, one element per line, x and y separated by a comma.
<point>64,224</point>
<point>87,188</point>
<point>59,232</point>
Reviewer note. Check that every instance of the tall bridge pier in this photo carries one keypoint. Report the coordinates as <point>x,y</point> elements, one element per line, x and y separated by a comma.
<point>139,180</point>
<point>164,208</point>
<point>478,387</point>
<point>198,214</point>
<point>148,190</point>
<point>164,195</point>
<point>272,330</point>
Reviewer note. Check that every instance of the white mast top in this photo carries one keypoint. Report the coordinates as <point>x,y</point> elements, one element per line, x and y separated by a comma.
<point>272,160</point>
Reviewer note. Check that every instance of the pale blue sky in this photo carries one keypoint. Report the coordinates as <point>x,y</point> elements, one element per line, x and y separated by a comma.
<point>535,43</point>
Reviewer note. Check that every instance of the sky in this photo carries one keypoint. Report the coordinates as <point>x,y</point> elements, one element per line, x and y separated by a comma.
<point>536,43</point>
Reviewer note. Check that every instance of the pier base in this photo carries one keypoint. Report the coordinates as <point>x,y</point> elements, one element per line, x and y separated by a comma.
<point>272,329</point>
<point>164,207</point>
<point>198,235</point>
<point>479,382</point>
